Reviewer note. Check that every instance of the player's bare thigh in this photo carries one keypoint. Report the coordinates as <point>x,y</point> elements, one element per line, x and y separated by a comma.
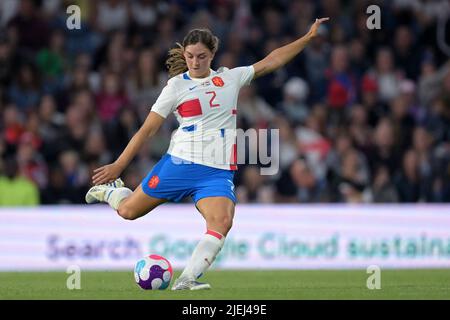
<point>218,213</point>
<point>138,204</point>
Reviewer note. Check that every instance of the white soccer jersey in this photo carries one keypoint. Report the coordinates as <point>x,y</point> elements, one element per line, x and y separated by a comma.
<point>206,110</point>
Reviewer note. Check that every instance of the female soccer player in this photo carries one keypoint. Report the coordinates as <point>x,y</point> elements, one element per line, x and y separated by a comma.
<point>201,158</point>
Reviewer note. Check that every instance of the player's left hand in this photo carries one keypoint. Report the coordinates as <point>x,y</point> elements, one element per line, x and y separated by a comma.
<point>313,30</point>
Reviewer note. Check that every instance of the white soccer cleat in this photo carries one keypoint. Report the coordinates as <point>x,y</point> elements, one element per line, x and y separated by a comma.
<point>189,284</point>
<point>96,194</point>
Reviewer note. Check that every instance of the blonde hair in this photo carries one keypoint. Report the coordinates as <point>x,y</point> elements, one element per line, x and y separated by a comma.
<point>176,63</point>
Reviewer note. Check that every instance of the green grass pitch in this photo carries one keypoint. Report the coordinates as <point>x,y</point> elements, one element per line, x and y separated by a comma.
<point>235,285</point>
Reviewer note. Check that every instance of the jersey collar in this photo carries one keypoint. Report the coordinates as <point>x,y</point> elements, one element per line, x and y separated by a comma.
<point>187,77</point>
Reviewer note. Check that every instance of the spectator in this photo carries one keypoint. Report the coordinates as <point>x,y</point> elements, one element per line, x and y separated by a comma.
<point>222,14</point>
<point>13,126</point>
<point>8,61</point>
<point>76,176</point>
<point>409,186</point>
<point>351,180</point>
<point>16,190</point>
<point>112,15</point>
<point>51,62</point>
<point>253,109</point>
<point>370,100</point>
<point>25,91</point>
<point>407,54</point>
<point>431,80</point>
<point>341,84</point>
<point>50,126</point>
<point>403,122</point>
<point>31,163</point>
<point>386,75</point>
<point>95,148</point>
<point>121,129</point>
<point>272,83</point>
<point>316,63</point>
<point>313,145</point>
<point>359,61</point>
<point>112,98</point>
<point>8,10</point>
<point>288,143</point>
<point>299,184</point>
<point>31,29</point>
<point>383,189</point>
<point>342,144</point>
<point>422,143</point>
<point>58,191</point>
<point>359,128</point>
<point>384,151</point>
<point>438,121</point>
<point>75,131</point>
<point>295,94</point>
<point>144,14</point>
<point>408,91</point>
<point>78,80</point>
<point>145,84</point>
<point>254,188</point>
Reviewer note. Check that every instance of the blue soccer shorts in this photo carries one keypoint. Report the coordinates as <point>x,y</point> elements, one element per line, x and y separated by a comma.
<point>174,179</point>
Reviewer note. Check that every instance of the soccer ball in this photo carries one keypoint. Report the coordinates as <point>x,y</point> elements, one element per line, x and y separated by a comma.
<point>153,272</point>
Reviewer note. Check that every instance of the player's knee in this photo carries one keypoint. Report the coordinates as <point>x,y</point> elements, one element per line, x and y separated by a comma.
<point>126,212</point>
<point>225,222</point>
<point>228,222</point>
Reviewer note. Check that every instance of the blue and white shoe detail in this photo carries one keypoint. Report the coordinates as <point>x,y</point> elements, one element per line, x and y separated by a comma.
<point>96,194</point>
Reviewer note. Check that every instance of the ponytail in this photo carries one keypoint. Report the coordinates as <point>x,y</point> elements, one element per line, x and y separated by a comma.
<point>175,63</point>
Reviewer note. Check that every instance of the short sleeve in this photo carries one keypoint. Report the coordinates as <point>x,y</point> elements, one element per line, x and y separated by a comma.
<point>166,102</point>
<point>243,75</point>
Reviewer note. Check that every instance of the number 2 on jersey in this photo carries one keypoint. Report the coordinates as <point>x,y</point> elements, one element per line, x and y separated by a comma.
<point>211,101</point>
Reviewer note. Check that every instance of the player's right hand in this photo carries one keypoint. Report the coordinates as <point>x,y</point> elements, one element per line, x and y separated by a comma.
<point>105,174</point>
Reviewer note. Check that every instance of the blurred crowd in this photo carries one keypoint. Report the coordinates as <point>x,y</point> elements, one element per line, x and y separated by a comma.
<point>364,115</point>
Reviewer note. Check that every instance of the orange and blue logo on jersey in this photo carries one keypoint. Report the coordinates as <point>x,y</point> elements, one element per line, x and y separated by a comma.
<point>153,182</point>
<point>218,82</point>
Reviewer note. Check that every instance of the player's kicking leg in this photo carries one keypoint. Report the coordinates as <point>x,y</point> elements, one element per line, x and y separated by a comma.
<point>128,204</point>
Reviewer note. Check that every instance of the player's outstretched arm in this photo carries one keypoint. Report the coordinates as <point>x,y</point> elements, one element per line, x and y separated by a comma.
<point>112,171</point>
<point>279,57</point>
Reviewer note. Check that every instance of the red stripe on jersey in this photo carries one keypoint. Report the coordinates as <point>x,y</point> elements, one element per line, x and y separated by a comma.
<point>233,158</point>
<point>233,111</point>
<point>214,234</point>
<point>190,108</point>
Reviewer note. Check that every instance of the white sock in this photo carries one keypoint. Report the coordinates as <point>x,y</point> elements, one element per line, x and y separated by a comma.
<point>115,195</point>
<point>204,254</point>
